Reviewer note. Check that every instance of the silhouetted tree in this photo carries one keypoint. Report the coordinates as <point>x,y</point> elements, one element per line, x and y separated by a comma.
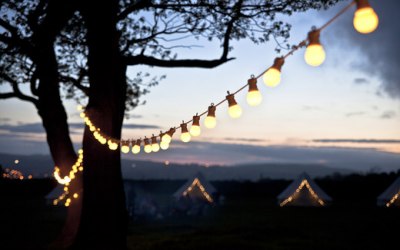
<point>81,49</point>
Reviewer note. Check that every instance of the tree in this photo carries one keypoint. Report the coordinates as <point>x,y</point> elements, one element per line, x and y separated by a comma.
<point>82,49</point>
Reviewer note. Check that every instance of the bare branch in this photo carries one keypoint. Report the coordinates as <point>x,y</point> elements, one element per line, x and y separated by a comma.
<point>16,91</point>
<point>152,61</point>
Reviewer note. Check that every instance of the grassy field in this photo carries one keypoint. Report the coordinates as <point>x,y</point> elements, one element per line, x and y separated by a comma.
<point>249,219</point>
<point>253,224</point>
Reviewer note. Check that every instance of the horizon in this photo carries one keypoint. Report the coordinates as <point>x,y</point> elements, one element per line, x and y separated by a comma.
<point>348,107</point>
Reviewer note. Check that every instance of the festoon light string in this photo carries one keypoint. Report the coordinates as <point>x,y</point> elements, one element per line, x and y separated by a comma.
<point>365,21</point>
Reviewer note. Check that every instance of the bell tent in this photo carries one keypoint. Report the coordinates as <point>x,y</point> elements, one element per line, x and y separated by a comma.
<point>391,196</point>
<point>303,192</point>
<point>197,189</point>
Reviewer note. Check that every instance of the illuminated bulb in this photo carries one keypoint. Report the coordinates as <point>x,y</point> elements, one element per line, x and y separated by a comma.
<point>112,145</point>
<point>365,19</point>
<point>125,147</point>
<point>147,146</point>
<point>79,107</point>
<point>81,169</point>
<point>154,144</point>
<point>103,140</point>
<point>315,54</point>
<point>167,137</point>
<point>235,111</point>
<point>136,147</point>
<point>76,195</point>
<point>211,121</point>
<point>272,77</point>
<point>82,115</point>
<point>164,145</point>
<point>195,129</point>
<point>185,136</point>
<point>254,97</point>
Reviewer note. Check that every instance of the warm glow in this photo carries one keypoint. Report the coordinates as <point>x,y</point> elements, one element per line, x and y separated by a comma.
<point>315,55</point>
<point>235,111</point>
<point>125,149</point>
<point>210,122</point>
<point>147,148</point>
<point>155,147</point>
<point>303,184</point>
<point>166,138</point>
<point>112,145</point>
<point>197,183</point>
<point>185,137</point>
<point>75,195</point>
<point>195,130</point>
<point>136,149</point>
<point>164,145</point>
<point>365,20</point>
<point>254,98</point>
<point>272,77</point>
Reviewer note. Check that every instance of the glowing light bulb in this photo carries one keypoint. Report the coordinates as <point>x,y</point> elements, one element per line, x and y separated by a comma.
<point>235,111</point>
<point>254,97</point>
<point>272,77</point>
<point>315,54</point>
<point>365,19</point>
<point>125,147</point>
<point>154,144</point>
<point>82,115</point>
<point>79,107</point>
<point>185,136</point>
<point>76,195</point>
<point>167,137</point>
<point>164,145</point>
<point>147,146</point>
<point>112,145</point>
<point>211,121</point>
<point>195,129</point>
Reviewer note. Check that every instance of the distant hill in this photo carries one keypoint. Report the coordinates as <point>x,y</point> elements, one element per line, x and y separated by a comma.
<point>39,165</point>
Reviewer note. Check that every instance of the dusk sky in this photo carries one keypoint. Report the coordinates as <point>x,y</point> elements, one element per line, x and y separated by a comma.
<point>344,110</point>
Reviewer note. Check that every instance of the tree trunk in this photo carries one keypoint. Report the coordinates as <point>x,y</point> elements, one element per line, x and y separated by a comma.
<point>51,109</point>
<point>104,217</point>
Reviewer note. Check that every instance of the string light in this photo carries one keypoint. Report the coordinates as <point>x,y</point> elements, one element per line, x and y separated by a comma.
<point>365,19</point>
<point>254,97</point>
<point>147,146</point>
<point>315,54</point>
<point>185,136</point>
<point>66,180</point>
<point>235,111</point>
<point>272,77</point>
<point>136,147</point>
<point>393,200</point>
<point>154,144</point>
<point>303,184</point>
<point>211,121</point>
<point>125,147</point>
<point>197,183</point>
<point>195,129</point>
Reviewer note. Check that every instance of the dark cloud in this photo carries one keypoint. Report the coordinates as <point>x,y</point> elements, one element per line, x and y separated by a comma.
<point>380,50</point>
<point>388,114</point>
<point>356,140</point>
<point>361,81</point>
<point>4,120</point>
<point>351,114</point>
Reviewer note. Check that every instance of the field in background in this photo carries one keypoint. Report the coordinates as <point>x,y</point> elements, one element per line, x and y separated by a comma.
<point>249,218</point>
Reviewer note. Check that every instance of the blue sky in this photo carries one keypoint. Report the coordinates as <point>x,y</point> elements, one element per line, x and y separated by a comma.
<point>354,95</point>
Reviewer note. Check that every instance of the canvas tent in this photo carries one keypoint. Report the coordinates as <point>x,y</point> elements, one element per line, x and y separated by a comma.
<point>303,192</point>
<point>391,196</point>
<point>197,189</point>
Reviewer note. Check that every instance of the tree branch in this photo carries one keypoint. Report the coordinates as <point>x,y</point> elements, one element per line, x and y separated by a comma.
<point>16,91</point>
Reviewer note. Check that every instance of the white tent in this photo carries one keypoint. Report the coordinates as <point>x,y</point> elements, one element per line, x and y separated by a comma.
<point>303,192</point>
<point>197,188</point>
<point>391,196</point>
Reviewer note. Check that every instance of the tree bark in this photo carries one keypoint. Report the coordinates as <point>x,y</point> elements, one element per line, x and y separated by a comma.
<point>104,217</point>
<point>51,109</point>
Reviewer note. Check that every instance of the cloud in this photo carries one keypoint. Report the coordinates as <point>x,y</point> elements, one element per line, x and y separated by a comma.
<point>351,114</point>
<point>362,141</point>
<point>243,139</point>
<point>361,81</point>
<point>389,114</point>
